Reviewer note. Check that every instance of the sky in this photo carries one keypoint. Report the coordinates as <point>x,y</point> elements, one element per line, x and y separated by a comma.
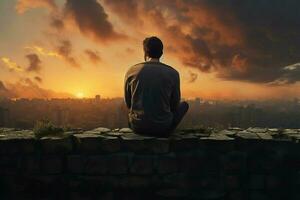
<point>230,49</point>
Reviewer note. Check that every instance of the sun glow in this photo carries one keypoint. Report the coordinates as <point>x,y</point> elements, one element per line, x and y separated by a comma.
<point>79,95</point>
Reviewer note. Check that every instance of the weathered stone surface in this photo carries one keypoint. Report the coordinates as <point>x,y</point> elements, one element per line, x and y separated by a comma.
<point>126,130</point>
<point>247,135</point>
<point>160,145</point>
<point>217,137</point>
<point>110,144</point>
<point>136,143</point>
<point>227,132</point>
<point>165,164</point>
<point>17,142</point>
<point>142,165</point>
<point>265,136</point>
<point>9,164</point>
<point>118,163</point>
<point>76,164</point>
<point>234,161</point>
<point>257,182</point>
<point>52,164</point>
<point>88,142</point>
<point>183,143</point>
<point>31,164</point>
<point>101,130</point>
<point>95,165</point>
<point>239,162</point>
<point>257,130</point>
<point>56,145</point>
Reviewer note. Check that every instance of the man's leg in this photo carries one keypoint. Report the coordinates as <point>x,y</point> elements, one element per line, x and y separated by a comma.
<point>179,114</point>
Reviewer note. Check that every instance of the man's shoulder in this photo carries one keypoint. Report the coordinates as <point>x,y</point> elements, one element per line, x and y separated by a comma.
<point>170,68</point>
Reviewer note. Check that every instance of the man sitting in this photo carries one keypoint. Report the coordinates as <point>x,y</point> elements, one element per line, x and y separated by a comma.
<point>152,93</point>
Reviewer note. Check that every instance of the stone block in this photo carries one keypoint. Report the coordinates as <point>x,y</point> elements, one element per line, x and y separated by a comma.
<point>56,145</point>
<point>165,164</point>
<point>89,143</point>
<point>258,195</point>
<point>110,144</point>
<point>160,145</point>
<point>118,163</point>
<point>134,182</point>
<point>96,165</point>
<point>142,165</point>
<point>273,182</point>
<point>52,164</point>
<point>217,143</point>
<point>234,161</point>
<point>178,180</point>
<point>232,182</point>
<point>183,143</point>
<point>31,164</point>
<point>136,143</point>
<point>247,135</point>
<point>76,164</point>
<point>191,162</point>
<point>13,146</point>
<point>256,182</point>
<point>235,195</point>
<point>9,164</point>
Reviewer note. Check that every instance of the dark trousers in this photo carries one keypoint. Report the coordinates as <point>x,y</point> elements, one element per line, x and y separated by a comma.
<point>178,115</point>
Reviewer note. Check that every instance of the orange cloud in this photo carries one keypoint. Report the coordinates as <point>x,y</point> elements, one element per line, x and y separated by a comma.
<point>24,5</point>
<point>11,65</point>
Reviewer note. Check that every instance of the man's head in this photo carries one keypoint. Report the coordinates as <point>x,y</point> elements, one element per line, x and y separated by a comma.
<point>153,47</point>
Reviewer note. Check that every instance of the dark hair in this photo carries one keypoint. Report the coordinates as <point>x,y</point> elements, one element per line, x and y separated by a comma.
<point>153,47</point>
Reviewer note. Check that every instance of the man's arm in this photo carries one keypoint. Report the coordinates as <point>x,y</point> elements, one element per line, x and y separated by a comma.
<point>175,96</point>
<point>127,93</point>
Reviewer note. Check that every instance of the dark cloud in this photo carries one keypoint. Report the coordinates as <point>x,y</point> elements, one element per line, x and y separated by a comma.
<point>93,56</point>
<point>193,77</point>
<point>249,40</point>
<point>4,92</point>
<point>34,63</point>
<point>57,23</point>
<point>64,49</point>
<point>118,6</point>
<point>24,5</point>
<point>2,86</point>
<point>91,19</point>
<point>38,79</point>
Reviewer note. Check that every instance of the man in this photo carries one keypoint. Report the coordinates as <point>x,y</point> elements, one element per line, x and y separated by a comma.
<point>152,93</point>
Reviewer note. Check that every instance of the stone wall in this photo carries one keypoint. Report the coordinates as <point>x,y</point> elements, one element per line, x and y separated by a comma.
<point>192,164</point>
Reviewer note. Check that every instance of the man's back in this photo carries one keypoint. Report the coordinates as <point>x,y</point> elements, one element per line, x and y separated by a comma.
<point>152,93</point>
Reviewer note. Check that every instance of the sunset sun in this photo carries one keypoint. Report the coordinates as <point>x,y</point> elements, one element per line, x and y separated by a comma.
<point>80,95</point>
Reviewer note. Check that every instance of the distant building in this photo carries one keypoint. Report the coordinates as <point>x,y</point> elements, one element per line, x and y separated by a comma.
<point>97,98</point>
<point>4,117</point>
<point>61,116</point>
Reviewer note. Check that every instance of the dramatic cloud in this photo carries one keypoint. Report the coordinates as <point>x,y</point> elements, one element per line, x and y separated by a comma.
<point>34,63</point>
<point>193,77</point>
<point>93,56</point>
<point>43,52</point>
<point>24,5</point>
<point>91,19</point>
<point>289,75</point>
<point>64,49</point>
<point>38,79</point>
<point>249,40</point>
<point>26,88</point>
<point>57,23</point>
<point>11,65</point>
<point>4,92</point>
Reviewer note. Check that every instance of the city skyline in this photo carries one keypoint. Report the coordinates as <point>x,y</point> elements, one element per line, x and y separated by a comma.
<point>81,48</point>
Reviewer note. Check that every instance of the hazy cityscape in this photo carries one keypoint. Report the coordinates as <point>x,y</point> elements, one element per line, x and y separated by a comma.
<point>89,113</point>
